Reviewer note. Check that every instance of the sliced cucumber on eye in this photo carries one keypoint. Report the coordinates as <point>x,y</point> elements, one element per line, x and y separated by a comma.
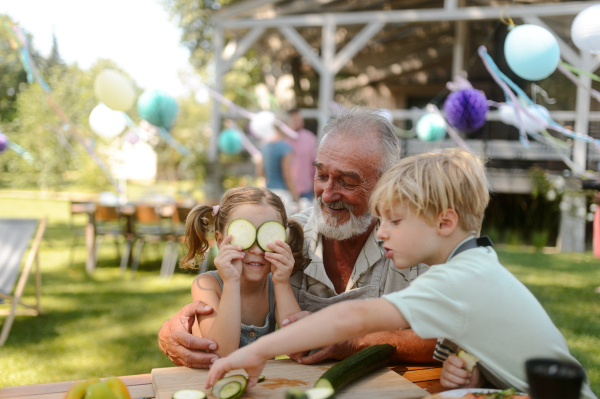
<point>268,232</point>
<point>189,394</point>
<point>243,232</point>
<point>231,387</point>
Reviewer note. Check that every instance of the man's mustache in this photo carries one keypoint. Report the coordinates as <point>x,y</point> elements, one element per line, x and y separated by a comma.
<point>335,204</point>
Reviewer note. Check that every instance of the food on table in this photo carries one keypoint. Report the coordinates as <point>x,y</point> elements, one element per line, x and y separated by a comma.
<point>355,366</point>
<point>470,360</point>
<point>314,393</point>
<point>261,379</point>
<point>189,394</point>
<point>231,387</point>
<point>111,388</point>
<point>268,232</point>
<point>245,234</point>
<point>507,394</point>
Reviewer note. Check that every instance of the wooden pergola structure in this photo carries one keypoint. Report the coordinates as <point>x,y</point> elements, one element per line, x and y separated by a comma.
<point>313,27</point>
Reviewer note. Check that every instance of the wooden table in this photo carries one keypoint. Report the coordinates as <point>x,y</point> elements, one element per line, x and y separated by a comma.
<point>426,376</point>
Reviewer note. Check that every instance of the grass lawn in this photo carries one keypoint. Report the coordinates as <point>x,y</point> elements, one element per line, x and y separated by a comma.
<point>102,325</point>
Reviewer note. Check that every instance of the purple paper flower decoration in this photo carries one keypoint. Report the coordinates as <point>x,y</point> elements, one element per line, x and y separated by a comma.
<point>466,109</point>
<point>3,142</point>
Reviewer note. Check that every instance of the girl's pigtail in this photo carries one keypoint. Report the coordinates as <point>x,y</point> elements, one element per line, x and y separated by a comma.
<point>198,224</point>
<point>296,242</point>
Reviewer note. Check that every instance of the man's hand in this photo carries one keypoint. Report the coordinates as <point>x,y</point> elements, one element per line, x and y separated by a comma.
<point>337,351</point>
<point>175,338</point>
<point>292,319</point>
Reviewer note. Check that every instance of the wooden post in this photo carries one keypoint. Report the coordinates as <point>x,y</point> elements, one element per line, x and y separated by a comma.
<point>327,75</point>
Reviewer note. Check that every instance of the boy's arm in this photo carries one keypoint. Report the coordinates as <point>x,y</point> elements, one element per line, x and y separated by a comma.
<point>340,322</point>
<point>223,324</point>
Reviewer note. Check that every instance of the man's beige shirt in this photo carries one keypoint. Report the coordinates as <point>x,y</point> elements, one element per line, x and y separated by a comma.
<point>371,255</point>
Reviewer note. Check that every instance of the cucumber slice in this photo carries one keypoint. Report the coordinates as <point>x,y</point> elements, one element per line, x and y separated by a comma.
<point>268,232</point>
<point>231,387</point>
<point>189,394</point>
<point>470,360</point>
<point>243,232</point>
<point>261,379</point>
<point>295,393</point>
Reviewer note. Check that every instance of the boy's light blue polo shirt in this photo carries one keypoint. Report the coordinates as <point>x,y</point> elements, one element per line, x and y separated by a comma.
<point>476,303</point>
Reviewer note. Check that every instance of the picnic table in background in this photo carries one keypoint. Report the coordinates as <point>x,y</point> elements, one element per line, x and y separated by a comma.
<point>424,376</point>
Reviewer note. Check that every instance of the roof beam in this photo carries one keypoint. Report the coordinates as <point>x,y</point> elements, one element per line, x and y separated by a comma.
<point>303,47</point>
<point>408,16</point>
<point>356,44</point>
<point>243,46</point>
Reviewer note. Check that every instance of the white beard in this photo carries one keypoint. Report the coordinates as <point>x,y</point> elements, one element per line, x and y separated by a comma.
<point>328,225</point>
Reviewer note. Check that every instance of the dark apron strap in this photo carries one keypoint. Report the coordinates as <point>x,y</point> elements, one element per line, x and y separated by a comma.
<point>474,243</point>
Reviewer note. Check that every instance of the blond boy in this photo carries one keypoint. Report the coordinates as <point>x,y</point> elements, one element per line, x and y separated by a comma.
<point>431,208</point>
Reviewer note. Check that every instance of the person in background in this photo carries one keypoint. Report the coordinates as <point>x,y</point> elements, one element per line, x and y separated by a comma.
<point>276,167</point>
<point>304,147</point>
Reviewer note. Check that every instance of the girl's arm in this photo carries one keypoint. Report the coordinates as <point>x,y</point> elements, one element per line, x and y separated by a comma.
<point>282,264</point>
<point>336,323</point>
<point>223,325</point>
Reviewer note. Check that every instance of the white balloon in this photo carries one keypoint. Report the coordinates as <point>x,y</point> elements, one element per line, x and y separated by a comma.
<point>114,89</point>
<point>262,126</point>
<point>508,116</point>
<point>107,123</point>
<point>140,162</point>
<point>585,31</point>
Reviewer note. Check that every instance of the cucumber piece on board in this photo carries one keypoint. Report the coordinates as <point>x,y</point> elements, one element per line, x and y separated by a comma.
<point>268,232</point>
<point>243,232</point>
<point>314,393</point>
<point>355,366</point>
<point>231,387</point>
<point>261,379</point>
<point>189,394</point>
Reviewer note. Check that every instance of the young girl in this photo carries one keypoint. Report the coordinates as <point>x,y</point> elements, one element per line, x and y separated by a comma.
<point>250,290</point>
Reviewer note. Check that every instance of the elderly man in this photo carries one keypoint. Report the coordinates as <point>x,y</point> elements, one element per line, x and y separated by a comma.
<point>344,259</point>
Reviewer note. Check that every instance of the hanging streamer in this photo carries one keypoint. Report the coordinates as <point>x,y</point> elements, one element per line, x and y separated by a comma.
<point>20,40</point>
<point>567,71</point>
<point>195,83</point>
<point>20,151</point>
<point>544,121</point>
<point>455,136</point>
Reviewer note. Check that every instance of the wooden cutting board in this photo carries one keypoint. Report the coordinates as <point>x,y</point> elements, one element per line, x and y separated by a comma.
<point>283,374</point>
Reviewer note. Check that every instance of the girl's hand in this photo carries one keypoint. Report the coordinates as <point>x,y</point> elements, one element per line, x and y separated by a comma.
<point>244,358</point>
<point>282,261</point>
<point>229,260</point>
<point>455,376</point>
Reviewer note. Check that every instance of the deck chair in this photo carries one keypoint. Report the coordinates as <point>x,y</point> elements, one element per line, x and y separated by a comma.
<point>15,235</point>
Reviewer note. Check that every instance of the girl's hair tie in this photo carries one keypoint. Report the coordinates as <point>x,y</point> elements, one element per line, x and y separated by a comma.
<point>215,210</point>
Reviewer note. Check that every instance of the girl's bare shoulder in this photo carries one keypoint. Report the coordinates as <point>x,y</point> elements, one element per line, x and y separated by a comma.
<point>206,282</point>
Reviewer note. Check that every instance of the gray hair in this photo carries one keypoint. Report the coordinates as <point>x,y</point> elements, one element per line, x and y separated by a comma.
<point>357,121</point>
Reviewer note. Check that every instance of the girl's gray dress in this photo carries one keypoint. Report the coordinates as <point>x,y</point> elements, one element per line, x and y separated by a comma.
<point>251,333</point>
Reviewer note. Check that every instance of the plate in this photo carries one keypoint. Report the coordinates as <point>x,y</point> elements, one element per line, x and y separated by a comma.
<point>459,393</point>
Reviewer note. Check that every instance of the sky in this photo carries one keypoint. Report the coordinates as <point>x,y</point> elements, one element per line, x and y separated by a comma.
<point>136,34</point>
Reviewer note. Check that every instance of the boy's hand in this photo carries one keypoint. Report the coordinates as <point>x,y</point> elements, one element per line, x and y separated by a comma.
<point>229,260</point>
<point>455,376</point>
<point>244,358</point>
<point>282,261</point>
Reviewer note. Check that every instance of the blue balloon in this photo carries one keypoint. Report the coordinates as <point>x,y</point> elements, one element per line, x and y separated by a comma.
<point>531,52</point>
<point>158,108</point>
<point>431,127</point>
<point>230,142</point>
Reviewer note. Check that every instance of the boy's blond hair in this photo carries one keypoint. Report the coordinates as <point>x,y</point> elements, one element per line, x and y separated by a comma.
<point>433,182</point>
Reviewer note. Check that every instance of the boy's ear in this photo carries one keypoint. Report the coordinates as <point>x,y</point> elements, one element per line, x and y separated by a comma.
<point>447,222</point>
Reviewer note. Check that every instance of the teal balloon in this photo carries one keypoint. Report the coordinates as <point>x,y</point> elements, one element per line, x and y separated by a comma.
<point>230,142</point>
<point>431,127</point>
<point>531,52</point>
<point>158,108</point>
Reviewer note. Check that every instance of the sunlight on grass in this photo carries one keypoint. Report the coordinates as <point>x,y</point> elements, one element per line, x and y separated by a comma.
<point>103,325</point>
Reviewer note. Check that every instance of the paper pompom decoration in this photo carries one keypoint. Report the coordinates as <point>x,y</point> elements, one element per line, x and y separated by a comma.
<point>466,109</point>
<point>585,31</point>
<point>230,142</point>
<point>431,127</point>
<point>3,143</point>
<point>531,52</point>
<point>508,116</point>
<point>107,123</point>
<point>114,90</point>
<point>261,125</point>
<point>158,108</point>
